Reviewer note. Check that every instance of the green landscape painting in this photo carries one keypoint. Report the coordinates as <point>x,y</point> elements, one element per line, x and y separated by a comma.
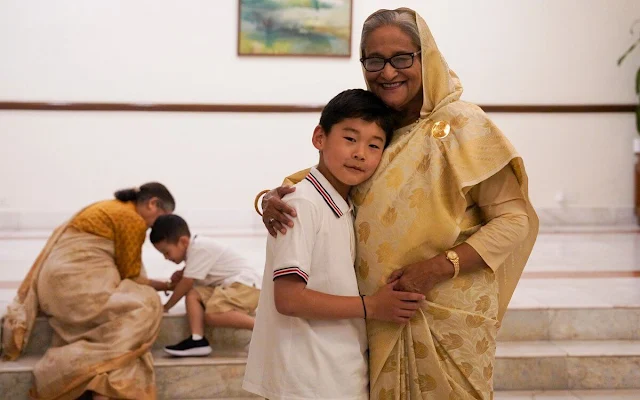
<point>295,27</point>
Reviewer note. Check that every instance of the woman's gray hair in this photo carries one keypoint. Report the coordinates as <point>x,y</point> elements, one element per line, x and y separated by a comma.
<point>405,20</point>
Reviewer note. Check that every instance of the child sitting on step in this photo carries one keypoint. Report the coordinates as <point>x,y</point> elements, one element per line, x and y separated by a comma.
<point>222,289</point>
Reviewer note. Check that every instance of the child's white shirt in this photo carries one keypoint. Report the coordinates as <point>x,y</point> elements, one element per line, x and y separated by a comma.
<point>294,358</point>
<point>214,264</point>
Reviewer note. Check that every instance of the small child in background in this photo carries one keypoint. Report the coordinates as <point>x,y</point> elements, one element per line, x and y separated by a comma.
<point>222,289</point>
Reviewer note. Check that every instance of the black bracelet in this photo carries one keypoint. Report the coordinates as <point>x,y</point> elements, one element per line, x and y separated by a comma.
<point>363,306</point>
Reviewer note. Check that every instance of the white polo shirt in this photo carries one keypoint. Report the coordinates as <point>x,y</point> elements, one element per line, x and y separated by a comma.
<point>214,264</point>
<point>294,358</point>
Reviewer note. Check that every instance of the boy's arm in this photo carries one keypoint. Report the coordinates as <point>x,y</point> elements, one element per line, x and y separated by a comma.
<point>291,268</point>
<point>179,291</point>
<point>197,267</point>
<point>292,298</point>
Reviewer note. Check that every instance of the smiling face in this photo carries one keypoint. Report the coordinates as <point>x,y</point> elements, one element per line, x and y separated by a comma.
<point>400,89</point>
<point>350,152</point>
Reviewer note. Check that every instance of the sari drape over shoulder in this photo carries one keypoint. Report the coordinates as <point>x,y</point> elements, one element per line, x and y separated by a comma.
<point>103,325</point>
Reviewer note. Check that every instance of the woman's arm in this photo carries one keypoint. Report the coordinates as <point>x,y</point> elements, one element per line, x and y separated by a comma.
<point>506,224</point>
<point>504,211</point>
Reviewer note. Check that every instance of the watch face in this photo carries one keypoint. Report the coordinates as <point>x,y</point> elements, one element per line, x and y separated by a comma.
<point>451,255</point>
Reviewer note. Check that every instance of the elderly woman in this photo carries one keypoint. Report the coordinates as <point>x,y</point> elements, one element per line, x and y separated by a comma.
<point>89,280</point>
<point>447,213</point>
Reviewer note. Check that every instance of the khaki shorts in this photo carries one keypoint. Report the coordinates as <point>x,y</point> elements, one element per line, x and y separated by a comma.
<point>235,297</point>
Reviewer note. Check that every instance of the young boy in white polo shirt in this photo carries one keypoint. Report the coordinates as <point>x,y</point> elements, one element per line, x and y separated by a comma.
<point>309,340</point>
<point>222,289</point>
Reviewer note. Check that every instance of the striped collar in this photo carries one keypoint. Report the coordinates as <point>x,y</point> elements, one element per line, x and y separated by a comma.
<point>329,194</point>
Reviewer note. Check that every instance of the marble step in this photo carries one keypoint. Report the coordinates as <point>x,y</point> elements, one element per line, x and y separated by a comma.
<point>173,329</point>
<point>216,377</point>
<point>557,395</point>
<point>557,323</point>
<point>567,365</point>
<point>518,324</point>
<point>569,395</point>
<point>520,366</point>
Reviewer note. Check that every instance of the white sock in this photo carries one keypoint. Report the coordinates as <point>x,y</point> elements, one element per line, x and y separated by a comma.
<point>196,337</point>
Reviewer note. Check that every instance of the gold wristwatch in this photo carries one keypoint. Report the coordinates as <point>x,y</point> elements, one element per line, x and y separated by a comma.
<point>455,260</point>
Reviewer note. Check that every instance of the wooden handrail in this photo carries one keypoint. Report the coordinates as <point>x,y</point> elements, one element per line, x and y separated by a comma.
<point>284,108</point>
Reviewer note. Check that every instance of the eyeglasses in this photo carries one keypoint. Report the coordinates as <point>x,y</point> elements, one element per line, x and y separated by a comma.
<point>399,61</point>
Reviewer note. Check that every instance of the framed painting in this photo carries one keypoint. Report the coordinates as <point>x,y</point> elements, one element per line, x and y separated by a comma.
<point>319,28</point>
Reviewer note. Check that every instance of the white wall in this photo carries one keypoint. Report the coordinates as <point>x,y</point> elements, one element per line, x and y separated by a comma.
<point>506,52</point>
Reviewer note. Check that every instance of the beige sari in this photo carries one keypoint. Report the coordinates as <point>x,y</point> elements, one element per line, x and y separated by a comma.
<point>414,208</point>
<point>103,326</point>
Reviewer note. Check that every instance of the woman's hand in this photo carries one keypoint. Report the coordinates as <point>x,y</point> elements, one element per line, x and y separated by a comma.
<point>274,210</point>
<point>422,276</point>
<point>392,305</point>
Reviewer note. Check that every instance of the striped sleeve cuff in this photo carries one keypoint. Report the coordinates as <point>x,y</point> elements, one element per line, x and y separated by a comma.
<point>291,270</point>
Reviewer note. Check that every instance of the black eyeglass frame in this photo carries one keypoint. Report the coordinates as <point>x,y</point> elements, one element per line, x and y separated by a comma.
<point>390,61</point>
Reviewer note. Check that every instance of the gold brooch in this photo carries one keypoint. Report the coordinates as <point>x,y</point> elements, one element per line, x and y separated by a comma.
<point>440,129</point>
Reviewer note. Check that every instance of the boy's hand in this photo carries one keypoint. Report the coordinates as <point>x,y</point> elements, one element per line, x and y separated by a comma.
<point>391,305</point>
<point>176,276</point>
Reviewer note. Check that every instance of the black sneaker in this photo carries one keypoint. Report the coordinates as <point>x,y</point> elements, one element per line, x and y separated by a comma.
<point>190,348</point>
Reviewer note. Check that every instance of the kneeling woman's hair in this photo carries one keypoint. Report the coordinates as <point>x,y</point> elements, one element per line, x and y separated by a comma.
<point>146,192</point>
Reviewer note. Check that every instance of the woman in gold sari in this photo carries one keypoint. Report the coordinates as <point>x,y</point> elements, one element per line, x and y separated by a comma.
<point>90,282</point>
<point>447,214</point>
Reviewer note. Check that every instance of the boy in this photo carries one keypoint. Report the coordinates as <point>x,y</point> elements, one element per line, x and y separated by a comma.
<point>310,340</point>
<point>221,288</point>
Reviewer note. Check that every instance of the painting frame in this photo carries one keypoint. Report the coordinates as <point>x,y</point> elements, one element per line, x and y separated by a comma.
<point>245,49</point>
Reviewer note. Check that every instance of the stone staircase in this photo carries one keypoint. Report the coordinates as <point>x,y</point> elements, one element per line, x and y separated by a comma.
<point>572,350</point>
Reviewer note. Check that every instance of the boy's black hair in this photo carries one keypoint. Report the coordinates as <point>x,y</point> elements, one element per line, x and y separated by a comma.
<point>358,103</point>
<point>169,228</point>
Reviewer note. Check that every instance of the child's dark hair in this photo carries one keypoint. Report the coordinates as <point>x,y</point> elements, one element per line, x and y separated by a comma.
<point>358,103</point>
<point>146,192</point>
<point>169,228</point>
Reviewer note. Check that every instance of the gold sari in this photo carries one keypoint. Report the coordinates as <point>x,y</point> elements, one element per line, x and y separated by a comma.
<point>103,325</point>
<point>414,208</point>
